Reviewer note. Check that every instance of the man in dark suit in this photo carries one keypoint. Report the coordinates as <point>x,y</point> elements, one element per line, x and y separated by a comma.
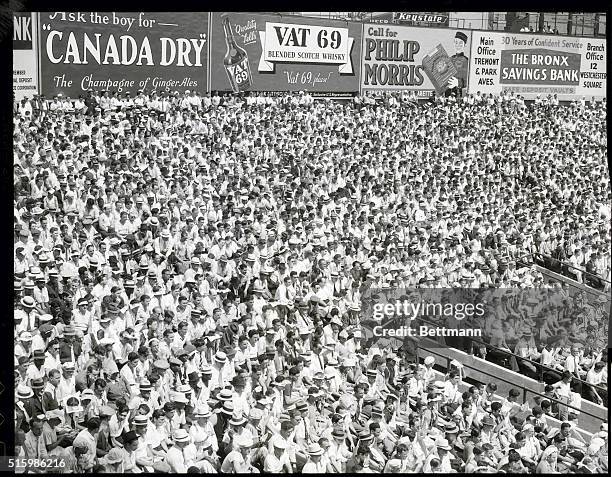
<point>34,405</point>
<point>70,348</point>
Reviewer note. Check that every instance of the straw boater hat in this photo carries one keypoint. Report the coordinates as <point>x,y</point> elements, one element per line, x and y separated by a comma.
<point>238,420</point>
<point>184,388</point>
<point>141,420</point>
<point>202,412</point>
<point>220,357</point>
<point>224,395</point>
<point>315,449</point>
<point>180,435</point>
<point>24,392</point>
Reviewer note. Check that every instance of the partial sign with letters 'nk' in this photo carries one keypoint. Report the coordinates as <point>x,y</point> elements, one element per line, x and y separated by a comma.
<point>25,55</point>
<point>23,31</point>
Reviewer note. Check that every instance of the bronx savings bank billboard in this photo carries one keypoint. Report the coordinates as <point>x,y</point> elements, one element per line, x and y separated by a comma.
<point>121,51</point>
<point>531,65</point>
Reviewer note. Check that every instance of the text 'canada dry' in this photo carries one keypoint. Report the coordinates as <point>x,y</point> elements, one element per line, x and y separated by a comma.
<point>236,61</point>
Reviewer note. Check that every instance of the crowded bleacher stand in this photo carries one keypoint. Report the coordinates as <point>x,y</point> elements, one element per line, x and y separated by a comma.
<point>189,271</point>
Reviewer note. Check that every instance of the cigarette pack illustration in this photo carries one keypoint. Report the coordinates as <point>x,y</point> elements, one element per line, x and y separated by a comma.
<point>439,68</point>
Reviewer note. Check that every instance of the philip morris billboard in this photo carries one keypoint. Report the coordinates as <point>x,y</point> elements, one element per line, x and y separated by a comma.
<point>254,52</point>
<point>25,57</point>
<point>120,51</point>
<point>570,67</point>
<point>410,58</point>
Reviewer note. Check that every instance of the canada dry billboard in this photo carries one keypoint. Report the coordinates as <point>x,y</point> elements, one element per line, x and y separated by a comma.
<point>253,52</point>
<point>570,67</point>
<point>25,58</point>
<point>412,58</point>
<point>123,52</point>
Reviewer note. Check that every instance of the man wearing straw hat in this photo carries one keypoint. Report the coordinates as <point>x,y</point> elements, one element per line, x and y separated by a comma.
<point>239,459</point>
<point>202,431</point>
<point>235,431</point>
<point>277,461</point>
<point>143,454</point>
<point>176,457</point>
<point>314,465</point>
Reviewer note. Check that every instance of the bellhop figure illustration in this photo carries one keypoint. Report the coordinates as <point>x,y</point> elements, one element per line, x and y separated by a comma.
<point>459,81</point>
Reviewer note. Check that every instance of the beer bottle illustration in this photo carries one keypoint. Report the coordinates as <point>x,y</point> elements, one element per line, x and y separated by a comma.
<point>236,61</point>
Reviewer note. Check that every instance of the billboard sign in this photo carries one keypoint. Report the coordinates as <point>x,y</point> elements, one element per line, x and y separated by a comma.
<point>427,18</point>
<point>529,65</point>
<point>382,17</point>
<point>123,52</point>
<point>25,56</point>
<point>396,57</point>
<point>255,52</point>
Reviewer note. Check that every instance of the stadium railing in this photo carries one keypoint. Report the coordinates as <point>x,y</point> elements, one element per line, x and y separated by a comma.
<point>539,366</point>
<point>596,282</point>
<point>525,390</point>
<point>542,367</point>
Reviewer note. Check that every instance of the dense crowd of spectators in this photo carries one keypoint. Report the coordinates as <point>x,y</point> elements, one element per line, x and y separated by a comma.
<point>189,272</point>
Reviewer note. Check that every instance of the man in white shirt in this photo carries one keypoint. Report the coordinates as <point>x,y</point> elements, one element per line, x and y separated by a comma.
<point>572,363</point>
<point>451,388</point>
<point>277,462</point>
<point>177,456</point>
<point>128,372</point>
<point>315,464</point>
<point>563,389</point>
<point>596,377</point>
